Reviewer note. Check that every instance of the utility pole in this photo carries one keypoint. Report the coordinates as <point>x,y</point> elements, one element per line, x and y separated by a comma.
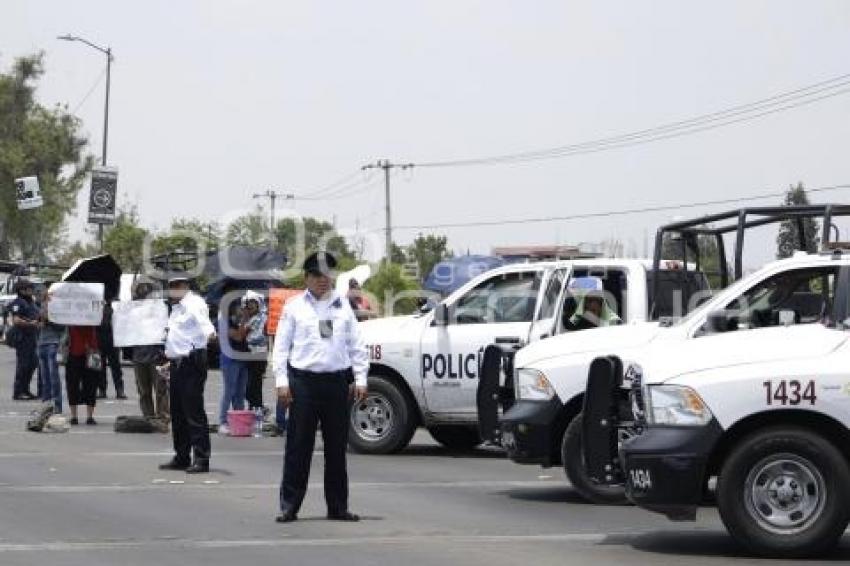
<point>108,52</point>
<point>273,195</point>
<point>386,165</point>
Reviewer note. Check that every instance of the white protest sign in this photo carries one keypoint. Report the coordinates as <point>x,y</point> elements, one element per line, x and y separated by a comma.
<point>139,323</point>
<point>76,304</point>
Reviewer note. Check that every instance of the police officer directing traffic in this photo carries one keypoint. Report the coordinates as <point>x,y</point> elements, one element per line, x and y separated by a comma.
<point>187,334</point>
<point>320,363</point>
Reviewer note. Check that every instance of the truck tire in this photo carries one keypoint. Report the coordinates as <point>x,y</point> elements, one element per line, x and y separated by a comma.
<point>384,422</point>
<point>456,437</point>
<point>782,492</point>
<point>572,456</point>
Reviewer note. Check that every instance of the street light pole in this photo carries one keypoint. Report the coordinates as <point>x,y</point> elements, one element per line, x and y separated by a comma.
<point>108,52</point>
<point>386,165</point>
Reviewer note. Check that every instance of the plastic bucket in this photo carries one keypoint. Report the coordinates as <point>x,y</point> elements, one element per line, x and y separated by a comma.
<point>241,423</point>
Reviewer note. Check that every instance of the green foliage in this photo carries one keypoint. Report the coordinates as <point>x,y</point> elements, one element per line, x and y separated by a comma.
<point>393,290</point>
<point>187,235</point>
<point>125,239</point>
<point>41,142</point>
<point>77,250</point>
<point>427,251</point>
<point>788,239</point>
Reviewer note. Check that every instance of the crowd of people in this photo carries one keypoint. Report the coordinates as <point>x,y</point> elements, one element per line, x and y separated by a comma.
<point>320,365</point>
<point>89,355</point>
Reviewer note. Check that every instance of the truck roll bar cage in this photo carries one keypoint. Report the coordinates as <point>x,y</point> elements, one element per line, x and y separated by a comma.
<point>738,221</point>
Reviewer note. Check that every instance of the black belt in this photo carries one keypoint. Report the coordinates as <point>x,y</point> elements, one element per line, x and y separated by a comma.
<point>181,359</point>
<point>347,374</point>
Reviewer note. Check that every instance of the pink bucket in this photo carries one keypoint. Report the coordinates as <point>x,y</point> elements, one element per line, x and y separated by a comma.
<point>241,423</point>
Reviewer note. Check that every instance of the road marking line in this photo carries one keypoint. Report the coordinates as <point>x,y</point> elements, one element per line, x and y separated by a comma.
<point>158,485</point>
<point>62,546</point>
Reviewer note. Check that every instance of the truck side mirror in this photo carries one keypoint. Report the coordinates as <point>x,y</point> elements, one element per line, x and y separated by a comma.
<point>719,321</point>
<point>441,315</point>
<point>786,317</point>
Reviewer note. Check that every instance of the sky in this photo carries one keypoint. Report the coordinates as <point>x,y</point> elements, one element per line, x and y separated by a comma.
<point>213,101</point>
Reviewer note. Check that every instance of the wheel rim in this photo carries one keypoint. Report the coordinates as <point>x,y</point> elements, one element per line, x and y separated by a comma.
<point>372,418</point>
<point>785,494</point>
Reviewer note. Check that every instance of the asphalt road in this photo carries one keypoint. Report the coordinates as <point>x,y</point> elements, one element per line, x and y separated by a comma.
<point>92,497</point>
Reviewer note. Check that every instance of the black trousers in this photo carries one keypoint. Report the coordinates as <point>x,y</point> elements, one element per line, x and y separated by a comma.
<point>254,391</point>
<point>317,398</point>
<point>112,359</point>
<point>26,362</point>
<point>189,426</point>
<point>80,382</point>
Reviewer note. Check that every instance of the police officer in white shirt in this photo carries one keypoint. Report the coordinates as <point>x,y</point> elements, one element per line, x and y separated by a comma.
<point>320,363</point>
<point>188,332</point>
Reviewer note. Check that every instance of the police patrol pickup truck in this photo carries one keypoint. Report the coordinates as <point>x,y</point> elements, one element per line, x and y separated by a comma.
<point>759,399</point>
<point>541,425</point>
<point>424,367</point>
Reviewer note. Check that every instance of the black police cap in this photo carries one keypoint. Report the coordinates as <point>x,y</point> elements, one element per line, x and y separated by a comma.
<point>320,263</point>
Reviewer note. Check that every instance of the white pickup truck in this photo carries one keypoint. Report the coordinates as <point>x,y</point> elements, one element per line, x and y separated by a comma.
<point>425,367</point>
<point>551,376</point>
<point>751,395</point>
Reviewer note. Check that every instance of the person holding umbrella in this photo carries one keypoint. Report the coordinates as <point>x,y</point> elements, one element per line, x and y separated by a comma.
<point>188,332</point>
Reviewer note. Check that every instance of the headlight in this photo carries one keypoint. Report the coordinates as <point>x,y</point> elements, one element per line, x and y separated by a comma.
<point>532,385</point>
<point>676,405</point>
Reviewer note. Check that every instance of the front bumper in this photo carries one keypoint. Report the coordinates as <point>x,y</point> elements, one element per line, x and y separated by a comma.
<point>527,431</point>
<point>665,468</point>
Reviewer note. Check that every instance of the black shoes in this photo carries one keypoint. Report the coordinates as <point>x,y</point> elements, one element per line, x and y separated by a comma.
<point>74,421</point>
<point>90,421</point>
<point>24,397</point>
<point>120,395</point>
<point>201,466</point>
<point>287,517</point>
<point>176,465</point>
<point>344,516</point>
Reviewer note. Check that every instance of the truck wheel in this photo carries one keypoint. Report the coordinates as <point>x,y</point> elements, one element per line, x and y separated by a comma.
<point>456,437</point>
<point>573,458</point>
<point>782,492</point>
<point>384,422</point>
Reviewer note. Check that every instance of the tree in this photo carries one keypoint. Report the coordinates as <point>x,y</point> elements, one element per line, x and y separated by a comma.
<point>395,292</point>
<point>41,142</point>
<point>427,251</point>
<point>77,250</point>
<point>187,235</point>
<point>398,255</point>
<point>788,239</point>
<point>125,240</point>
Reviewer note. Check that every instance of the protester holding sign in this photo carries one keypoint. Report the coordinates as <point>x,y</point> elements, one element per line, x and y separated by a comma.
<point>82,371</point>
<point>48,347</point>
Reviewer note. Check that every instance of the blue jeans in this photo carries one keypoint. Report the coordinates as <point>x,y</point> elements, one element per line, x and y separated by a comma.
<point>236,375</point>
<point>51,382</point>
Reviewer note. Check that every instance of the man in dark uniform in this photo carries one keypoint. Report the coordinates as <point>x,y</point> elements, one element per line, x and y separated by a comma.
<point>320,363</point>
<point>188,333</point>
<point>25,319</point>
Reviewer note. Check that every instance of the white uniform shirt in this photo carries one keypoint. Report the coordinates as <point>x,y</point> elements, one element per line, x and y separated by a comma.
<point>298,341</point>
<point>189,327</point>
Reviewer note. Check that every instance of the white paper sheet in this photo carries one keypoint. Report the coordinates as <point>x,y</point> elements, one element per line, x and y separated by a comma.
<point>76,304</point>
<point>139,323</point>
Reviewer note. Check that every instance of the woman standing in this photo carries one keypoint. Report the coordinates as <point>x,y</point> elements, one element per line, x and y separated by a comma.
<point>255,338</point>
<point>48,347</point>
<point>83,371</point>
<point>234,368</point>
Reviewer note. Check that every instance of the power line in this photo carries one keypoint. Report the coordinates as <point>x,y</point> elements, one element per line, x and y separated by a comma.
<point>606,214</point>
<point>330,188</point>
<point>736,114</point>
<point>90,91</point>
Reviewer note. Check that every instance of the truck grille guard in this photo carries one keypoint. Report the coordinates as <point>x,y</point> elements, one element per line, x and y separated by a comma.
<point>614,411</point>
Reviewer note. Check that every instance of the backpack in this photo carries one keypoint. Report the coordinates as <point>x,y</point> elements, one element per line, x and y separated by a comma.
<point>39,417</point>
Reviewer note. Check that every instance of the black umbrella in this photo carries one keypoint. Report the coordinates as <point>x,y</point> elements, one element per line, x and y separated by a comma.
<point>99,269</point>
